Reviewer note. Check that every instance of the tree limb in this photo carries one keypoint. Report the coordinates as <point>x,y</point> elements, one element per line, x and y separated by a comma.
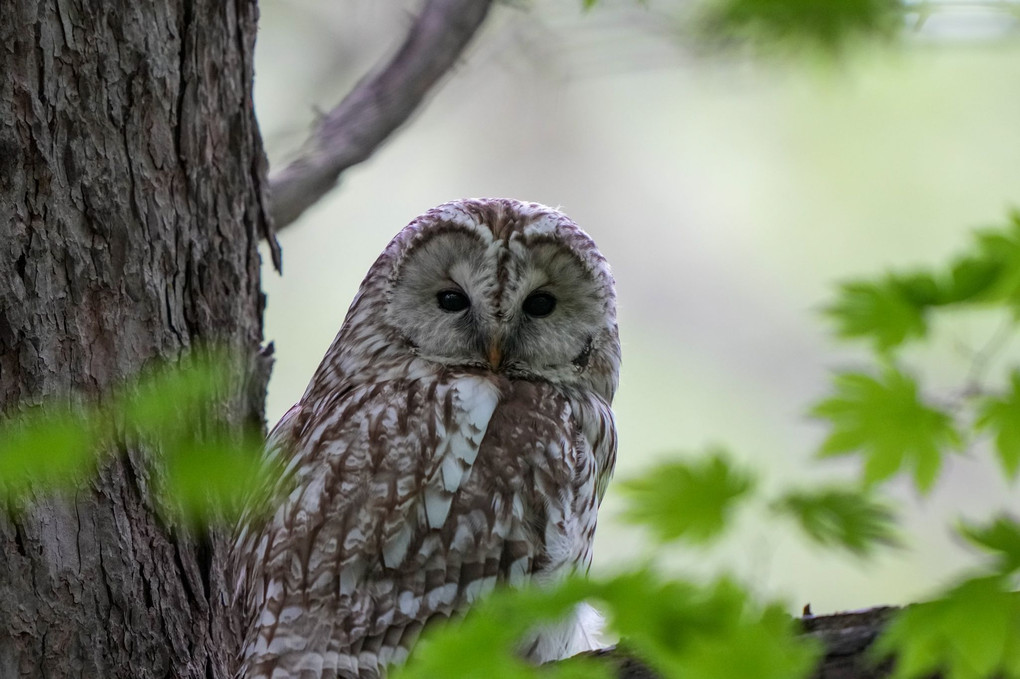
<point>845,637</point>
<point>378,105</point>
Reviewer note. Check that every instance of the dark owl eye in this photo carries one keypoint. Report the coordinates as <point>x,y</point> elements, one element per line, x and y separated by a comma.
<point>539,304</point>
<point>452,300</point>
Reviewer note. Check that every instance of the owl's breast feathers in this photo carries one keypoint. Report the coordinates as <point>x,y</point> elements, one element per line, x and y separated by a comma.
<point>412,498</point>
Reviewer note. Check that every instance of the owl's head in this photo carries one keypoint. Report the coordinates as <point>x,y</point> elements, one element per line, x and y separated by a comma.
<point>489,284</point>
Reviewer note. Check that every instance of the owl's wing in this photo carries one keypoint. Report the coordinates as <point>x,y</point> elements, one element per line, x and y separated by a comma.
<point>375,474</point>
<point>247,564</point>
<point>597,425</point>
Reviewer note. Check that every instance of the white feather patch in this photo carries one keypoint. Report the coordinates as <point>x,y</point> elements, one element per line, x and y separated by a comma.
<point>474,399</point>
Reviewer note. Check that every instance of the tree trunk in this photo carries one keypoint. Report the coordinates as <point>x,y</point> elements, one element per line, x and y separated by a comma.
<point>131,206</point>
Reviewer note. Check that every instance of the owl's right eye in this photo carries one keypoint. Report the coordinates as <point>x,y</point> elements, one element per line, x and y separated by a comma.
<point>452,300</point>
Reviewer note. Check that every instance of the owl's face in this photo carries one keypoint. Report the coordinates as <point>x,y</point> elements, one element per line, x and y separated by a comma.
<point>514,288</point>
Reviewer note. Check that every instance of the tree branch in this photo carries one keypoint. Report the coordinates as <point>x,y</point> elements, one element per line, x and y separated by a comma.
<point>379,104</point>
<point>845,637</point>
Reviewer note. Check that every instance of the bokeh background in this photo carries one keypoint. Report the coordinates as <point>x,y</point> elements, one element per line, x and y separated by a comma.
<point>729,192</point>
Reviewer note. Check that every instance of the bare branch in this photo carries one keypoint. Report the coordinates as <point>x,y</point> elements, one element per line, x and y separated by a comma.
<point>377,106</point>
<point>846,640</point>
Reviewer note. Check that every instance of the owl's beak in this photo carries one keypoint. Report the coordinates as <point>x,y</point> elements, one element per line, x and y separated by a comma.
<point>495,353</point>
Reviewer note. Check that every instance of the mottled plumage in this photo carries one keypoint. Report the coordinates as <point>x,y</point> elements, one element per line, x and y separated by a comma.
<point>457,435</point>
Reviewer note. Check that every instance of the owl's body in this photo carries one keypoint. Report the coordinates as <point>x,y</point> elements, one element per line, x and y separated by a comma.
<point>457,435</point>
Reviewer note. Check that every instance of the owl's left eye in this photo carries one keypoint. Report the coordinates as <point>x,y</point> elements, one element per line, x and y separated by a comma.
<point>452,300</point>
<point>539,304</point>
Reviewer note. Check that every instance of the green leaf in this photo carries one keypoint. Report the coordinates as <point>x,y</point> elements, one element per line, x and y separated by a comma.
<point>973,632</point>
<point>839,517</point>
<point>689,501</point>
<point>1001,415</point>
<point>814,23</point>
<point>891,310</point>
<point>168,401</point>
<point>213,477</point>
<point>680,628</point>
<point>766,647</point>
<point>48,448</point>
<point>970,279</point>
<point>659,620</point>
<point>883,420</point>
<point>999,250</point>
<point>485,642</point>
<point>703,632</point>
<point>1001,538</point>
<point>887,312</point>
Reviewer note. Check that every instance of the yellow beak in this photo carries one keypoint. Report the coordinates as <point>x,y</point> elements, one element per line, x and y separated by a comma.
<point>495,355</point>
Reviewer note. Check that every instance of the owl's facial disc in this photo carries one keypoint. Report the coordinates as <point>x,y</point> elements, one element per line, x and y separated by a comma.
<point>524,306</point>
<point>529,309</point>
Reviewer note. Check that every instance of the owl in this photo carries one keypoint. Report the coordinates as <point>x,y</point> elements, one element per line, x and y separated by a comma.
<point>457,437</point>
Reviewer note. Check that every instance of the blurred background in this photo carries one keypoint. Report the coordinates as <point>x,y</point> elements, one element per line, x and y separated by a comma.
<point>730,192</point>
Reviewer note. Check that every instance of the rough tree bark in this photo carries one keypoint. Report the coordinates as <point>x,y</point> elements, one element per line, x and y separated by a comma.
<point>131,204</point>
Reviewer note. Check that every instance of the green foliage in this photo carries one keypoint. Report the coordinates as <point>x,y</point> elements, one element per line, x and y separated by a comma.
<point>838,517</point>
<point>880,415</point>
<point>686,500</point>
<point>973,629</point>
<point>214,476</point>
<point>814,23</point>
<point>484,643</point>
<point>971,277</point>
<point>766,646</point>
<point>681,629</point>
<point>1001,538</point>
<point>893,308</point>
<point>205,470</point>
<point>170,399</point>
<point>713,631</point>
<point>971,632</point>
<point>997,259</point>
<point>888,311</point>
<point>54,448</point>
<point>883,420</point>
<point>1001,415</point>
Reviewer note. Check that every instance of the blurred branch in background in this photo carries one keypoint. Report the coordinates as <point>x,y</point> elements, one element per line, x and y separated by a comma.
<point>384,100</point>
<point>379,104</point>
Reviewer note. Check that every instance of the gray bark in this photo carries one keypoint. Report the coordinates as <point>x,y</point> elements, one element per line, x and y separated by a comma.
<point>131,205</point>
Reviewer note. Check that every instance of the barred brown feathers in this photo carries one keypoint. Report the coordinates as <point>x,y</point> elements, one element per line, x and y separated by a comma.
<point>456,437</point>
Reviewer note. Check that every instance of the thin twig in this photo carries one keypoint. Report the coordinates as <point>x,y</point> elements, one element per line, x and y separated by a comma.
<point>378,105</point>
<point>983,357</point>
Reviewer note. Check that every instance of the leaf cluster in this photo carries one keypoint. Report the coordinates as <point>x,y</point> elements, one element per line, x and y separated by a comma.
<point>694,502</point>
<point>881,416</point>
<point>798,24</point>
<point>205,468</point>
<point>894,309</point>
<point>680,628</point>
